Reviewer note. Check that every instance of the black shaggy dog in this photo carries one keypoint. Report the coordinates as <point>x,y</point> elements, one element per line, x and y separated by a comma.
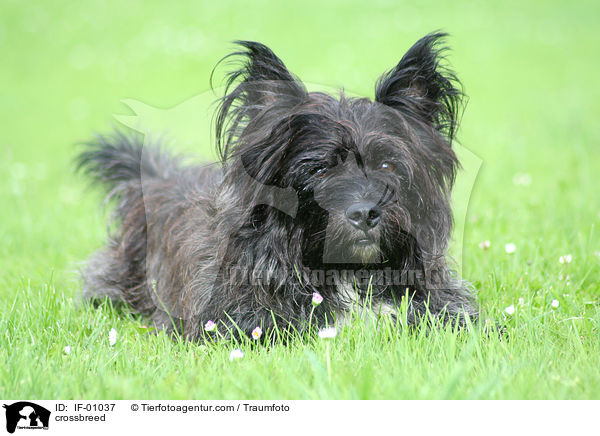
<point>344,197</point>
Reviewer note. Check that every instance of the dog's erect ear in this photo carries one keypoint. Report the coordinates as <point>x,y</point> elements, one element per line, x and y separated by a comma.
<point>261,83</point>
<point>423,87</point>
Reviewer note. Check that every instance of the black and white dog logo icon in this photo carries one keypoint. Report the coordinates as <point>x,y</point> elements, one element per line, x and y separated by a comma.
<point>26,415</point>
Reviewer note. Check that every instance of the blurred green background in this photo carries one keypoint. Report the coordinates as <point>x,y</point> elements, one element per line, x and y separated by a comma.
<point>530,69</point>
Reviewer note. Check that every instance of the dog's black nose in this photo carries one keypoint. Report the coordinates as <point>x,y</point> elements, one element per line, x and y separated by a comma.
<point>364,215</point>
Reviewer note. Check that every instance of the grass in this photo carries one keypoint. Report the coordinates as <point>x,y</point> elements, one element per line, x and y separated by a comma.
<point>530,73</point>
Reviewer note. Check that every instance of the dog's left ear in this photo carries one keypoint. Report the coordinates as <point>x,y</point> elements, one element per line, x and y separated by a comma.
<point>422,87</point>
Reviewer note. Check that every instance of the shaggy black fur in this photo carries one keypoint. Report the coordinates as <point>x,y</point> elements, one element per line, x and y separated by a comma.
<point>344,196</point>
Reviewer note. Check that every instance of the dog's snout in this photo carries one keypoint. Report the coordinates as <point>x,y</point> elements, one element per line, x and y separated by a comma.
<point>364,215</point>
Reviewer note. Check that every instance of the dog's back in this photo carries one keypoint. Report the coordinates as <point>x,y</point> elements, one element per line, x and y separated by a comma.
<point>151,190</point>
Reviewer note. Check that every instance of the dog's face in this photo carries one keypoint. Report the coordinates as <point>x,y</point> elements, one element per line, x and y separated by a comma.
<point>371,177</point>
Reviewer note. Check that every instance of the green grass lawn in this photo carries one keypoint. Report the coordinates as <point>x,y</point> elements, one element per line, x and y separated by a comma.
<point>531,72</point>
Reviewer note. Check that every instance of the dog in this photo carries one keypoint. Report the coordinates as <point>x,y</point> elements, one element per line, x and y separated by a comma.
<point>320,205</point>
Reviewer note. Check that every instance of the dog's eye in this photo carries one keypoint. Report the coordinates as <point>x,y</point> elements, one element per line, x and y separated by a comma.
<point>319,173</point>
<point>387,166</point>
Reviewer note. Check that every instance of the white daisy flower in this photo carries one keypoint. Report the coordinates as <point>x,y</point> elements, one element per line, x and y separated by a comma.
<point>112,337</point>
<point>328,333</point>
<point>317,299</point>
<point>235,354</point>
<point>257,333</point>
<point>510,309</point>
<point>484,245</point>
<point>566,259</point>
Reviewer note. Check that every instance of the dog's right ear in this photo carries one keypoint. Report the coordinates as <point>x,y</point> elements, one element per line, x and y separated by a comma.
<point>263,82</point>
